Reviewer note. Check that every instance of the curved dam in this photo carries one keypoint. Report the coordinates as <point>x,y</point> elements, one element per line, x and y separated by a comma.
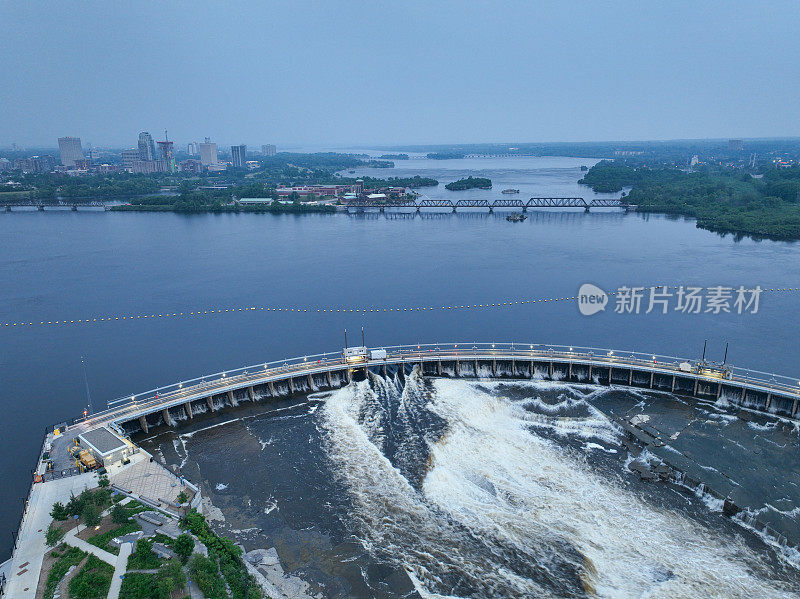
<point>468,470</point>
<point>744,388</point>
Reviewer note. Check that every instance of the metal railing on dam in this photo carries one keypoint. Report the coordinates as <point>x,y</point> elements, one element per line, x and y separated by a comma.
<point>739,386</point>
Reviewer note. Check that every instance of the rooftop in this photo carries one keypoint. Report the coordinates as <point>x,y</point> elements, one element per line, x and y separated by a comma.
<point>103,440</point>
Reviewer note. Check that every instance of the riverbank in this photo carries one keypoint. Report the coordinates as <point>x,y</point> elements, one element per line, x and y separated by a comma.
<point>721,201</point>
<point>273,208</point>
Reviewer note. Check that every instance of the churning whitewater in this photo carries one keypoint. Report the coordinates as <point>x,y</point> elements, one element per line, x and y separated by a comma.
<point>489,489</point>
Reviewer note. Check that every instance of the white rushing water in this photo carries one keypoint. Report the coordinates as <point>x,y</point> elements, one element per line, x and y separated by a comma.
<point>500,510</point>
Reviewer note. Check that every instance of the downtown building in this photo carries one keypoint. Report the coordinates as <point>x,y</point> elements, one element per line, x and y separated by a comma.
<point>147,147</point>
<point>268,150</point>
<point>208,153</point>
<point>70,150</point>
<point>239,156</point>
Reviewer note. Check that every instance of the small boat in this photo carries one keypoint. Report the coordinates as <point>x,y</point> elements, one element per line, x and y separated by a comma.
<point>510,191</point>
<point>517,217</point>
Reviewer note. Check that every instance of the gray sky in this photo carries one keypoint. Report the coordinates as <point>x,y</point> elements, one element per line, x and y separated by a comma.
<point>330,73</point>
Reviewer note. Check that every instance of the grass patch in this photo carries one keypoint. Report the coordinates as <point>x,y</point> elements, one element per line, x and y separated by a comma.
<point>93,581</point>
<point>71,556</point>
<point>103,539</point>
<point>142,557</point>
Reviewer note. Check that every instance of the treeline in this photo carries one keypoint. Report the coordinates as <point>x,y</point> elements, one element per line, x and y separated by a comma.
<point>723,201</point>
<point>394,157</point>
<point>216,201</point>
<point>469,183</point>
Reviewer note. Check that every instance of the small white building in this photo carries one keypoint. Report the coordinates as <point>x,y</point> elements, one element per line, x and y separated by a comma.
<point>105,445</point>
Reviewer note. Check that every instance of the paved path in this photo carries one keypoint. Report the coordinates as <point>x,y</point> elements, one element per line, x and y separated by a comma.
<point>71,539</point>
<point>121,567</point>
<point>23,577</point>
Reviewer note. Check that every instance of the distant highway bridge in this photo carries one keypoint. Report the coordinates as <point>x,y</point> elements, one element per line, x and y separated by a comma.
<point>426,202</point>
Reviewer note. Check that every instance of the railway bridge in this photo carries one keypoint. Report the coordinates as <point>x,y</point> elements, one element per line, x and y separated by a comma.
<point>538,202</point>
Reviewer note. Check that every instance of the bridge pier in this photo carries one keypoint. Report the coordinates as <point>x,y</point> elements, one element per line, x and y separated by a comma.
<point>252,393</point>
<point>146,429</point>
<point>8,208</point>
<point>652,376</point>
<point>40,208</point>
<point>673,383</point>
<point>291,386</point>
<point>794,408</point>
<point>210,402</point>
<point>590,373</point>
<point>744,394</point>
<point>74,208</point>
<point>272,389</point>
<point>630,377</point>
<point>769,401</point>
<point>310,382</point>
<point>454,210</point>
<point>439,367</point>
<point>232,399</point>
<point>696,382</point>
<point>586,209</point>
<point>167,417</point>
<point>187,407</point>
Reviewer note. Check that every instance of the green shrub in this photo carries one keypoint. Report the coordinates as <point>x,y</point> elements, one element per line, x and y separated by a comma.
<point>183,547</point>
<point>93,581</point>
<point>53,535</point>
<point>102,540</point>
<point>206,574</point>
<point>59,512</point>
<point>143,557</point>
<point>72,556</point>
<point>91,514</point>
<point>119,515</point>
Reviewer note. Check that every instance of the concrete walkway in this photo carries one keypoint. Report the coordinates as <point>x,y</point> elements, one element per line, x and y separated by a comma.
<point>121,567</point>
<point>23,577</point>
<point>71,539</point>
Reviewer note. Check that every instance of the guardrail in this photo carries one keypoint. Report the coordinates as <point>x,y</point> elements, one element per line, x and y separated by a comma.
<point>255,374</point>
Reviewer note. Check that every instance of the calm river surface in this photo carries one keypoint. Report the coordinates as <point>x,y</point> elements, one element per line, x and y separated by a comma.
<point>65,265</point>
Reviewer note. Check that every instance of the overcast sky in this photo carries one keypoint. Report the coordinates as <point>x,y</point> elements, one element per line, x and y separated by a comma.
<point>330,73</point>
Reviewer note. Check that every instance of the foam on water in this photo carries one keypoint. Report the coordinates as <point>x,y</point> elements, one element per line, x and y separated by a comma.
<point>503,510</point>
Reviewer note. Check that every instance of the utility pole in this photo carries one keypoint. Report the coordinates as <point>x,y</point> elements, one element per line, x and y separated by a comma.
<point>86,382</point>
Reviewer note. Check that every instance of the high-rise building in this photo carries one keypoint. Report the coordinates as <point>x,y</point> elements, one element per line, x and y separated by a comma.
<point>147,148</point>
<point>70,149</point>
<point>268,150</point>
<point>239,156</point>
<point>166,149</point>
<point>192,148</point>
<point>208,153</point>
<point>129,157</point>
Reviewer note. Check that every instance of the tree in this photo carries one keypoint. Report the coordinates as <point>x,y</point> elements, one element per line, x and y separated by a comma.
<point>53,535</point>
<point>183,546</point>
<point>59,512</point>
<point>104,482</point>
<point>119,515</point>
<point>182,497</point>
<point>91,514</point>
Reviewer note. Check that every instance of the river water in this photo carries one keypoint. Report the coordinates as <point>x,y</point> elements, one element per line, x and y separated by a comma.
<point>65,265</point>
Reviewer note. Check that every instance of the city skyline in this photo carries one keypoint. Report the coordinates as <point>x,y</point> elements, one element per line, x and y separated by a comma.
<point>528,72</point>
